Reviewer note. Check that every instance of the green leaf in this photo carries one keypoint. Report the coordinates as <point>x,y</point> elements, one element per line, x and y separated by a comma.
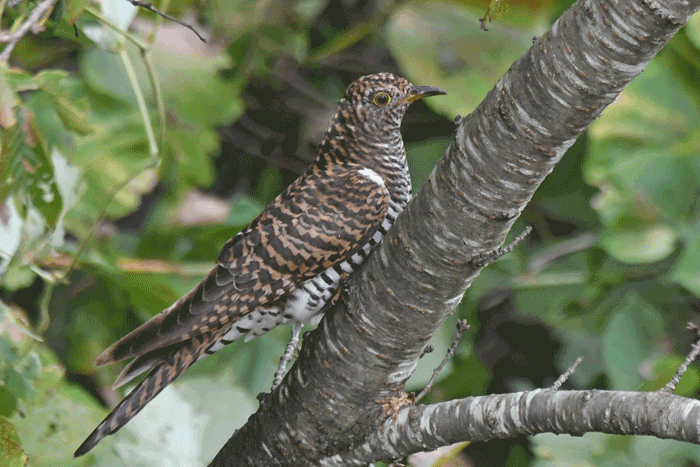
<point>74,117</point>
<point>42,189</point>
<point>645,160</point>
<point>687,270</point>
<point>12,147</point>
<point>47,124</point>
<point>692,30</point>
<point>66,30</point>
<point>18,384</point>
<point>601,450</point>
<point>308,10</point>
<point>8,355</point>
<point>8,402</point>
<point>74,8</point>
<point>196,99</point>
<point>644,244</point>
<point>651,451</point>
<point>120,15</point>
<point>18,277</point>
<point>52,428</point>
<point>559,450</point>
<point>8,101</point>
<point>32,366</point>
<point>192,155</point>
<point>11,453</point>
<point>628,340</point>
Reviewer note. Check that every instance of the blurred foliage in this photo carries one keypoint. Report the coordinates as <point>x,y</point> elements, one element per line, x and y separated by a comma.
<point>130,152</point>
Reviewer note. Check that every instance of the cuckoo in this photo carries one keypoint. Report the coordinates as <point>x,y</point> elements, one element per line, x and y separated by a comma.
<point>287,265</point>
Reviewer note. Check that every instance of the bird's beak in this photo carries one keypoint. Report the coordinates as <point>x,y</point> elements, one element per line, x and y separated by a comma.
<point>419,92</point>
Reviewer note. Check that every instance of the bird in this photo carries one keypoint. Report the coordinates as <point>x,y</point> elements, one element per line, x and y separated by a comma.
<point>289,263</point>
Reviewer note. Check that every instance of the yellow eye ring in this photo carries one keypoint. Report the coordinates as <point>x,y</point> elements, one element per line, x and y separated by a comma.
<point>381,99</point>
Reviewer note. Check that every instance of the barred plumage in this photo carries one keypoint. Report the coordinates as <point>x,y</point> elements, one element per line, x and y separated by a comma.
<point>290,261</point>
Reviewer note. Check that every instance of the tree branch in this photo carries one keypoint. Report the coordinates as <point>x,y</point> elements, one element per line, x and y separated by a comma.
<point>347,384</point>
<point>497,416</point>
<point>692,355</point>
<point>31,24</point>
<point>567,374</point>
<point>149,6</point>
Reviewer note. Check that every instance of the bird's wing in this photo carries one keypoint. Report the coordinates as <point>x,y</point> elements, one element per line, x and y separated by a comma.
<point>320,220</point>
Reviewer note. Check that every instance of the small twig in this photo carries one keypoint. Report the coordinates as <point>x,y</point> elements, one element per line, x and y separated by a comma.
<point>491,256</point>
<point>542,260</point>
<point>671,385</point>
<point>562,379</point>
<point>428,349</point>
<point>149,6</point>
<point>32,23</point>
<point>461,327</point>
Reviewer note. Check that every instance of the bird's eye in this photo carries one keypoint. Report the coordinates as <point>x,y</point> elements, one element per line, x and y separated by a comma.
<point>381,99</point>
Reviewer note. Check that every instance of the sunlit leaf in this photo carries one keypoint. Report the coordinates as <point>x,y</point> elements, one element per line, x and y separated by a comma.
<point>11,453</point>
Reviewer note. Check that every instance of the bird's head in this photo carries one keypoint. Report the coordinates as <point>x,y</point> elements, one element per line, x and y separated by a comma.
<point>369,116</point>
<point>381,100</point>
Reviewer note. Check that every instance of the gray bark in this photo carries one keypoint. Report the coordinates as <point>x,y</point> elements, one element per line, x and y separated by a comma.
<point>427,427</point>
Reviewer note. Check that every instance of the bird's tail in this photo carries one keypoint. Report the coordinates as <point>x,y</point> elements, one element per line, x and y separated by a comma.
<point>173,364</point>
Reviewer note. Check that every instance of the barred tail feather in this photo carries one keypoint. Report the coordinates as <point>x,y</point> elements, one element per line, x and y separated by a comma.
<point>161,376</point>
<point>142,364</point>
<point>167,328</point>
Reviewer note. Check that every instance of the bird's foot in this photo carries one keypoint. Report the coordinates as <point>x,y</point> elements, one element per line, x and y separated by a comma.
<point>287,356</point>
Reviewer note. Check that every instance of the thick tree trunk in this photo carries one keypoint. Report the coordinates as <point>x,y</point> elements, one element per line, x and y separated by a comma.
<point>344,396</point>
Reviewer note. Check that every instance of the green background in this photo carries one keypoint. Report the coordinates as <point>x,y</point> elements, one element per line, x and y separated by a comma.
<point>145,164</point>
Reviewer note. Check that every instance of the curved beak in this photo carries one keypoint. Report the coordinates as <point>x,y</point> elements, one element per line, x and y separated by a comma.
<point>419,92</point>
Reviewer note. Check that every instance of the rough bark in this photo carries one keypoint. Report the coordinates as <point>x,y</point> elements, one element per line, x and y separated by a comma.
<point>348,380</point>
<point>427,427</point>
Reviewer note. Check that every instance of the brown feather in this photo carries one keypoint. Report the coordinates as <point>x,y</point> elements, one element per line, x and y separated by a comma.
<point>288,250</point>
